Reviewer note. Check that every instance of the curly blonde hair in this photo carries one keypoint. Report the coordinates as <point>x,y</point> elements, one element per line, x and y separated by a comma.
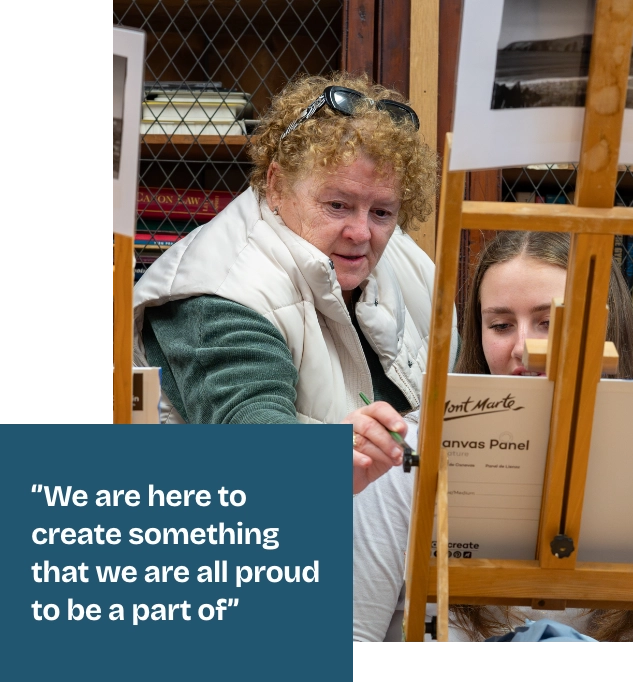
<point>329,140</point>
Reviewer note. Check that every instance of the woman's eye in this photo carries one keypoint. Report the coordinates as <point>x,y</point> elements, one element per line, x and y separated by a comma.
<point>337,205</point>
<point>500,327</point>
<point>381,213</point>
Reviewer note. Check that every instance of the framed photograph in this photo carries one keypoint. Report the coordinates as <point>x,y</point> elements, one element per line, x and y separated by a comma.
<point>522,82</point>
<point>127,77</point>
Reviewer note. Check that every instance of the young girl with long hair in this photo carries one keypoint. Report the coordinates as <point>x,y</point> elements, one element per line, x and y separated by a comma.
<point>516,266</point>
<point>516,278</point>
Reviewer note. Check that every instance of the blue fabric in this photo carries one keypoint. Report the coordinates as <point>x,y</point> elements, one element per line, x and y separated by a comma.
<point>545,630</point>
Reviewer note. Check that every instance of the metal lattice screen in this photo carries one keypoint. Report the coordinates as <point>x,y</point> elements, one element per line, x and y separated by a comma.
<point>556,184</point>
<point>211,69</point>
<point>552,183</point>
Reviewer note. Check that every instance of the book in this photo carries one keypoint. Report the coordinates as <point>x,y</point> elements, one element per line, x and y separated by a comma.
<point>194,109</point>
<point>237,104</point>
<point>618,250</point>
<point>529,197</point>
<point>144,240</point>
<point>181,204</point>
<point>156,225</point>
<point>175,111</point>
<point>535,198</point>
<point>146,395</point>
<point>145,258</point>
<point>142,261</point>
<point>144,246</point>
<point>139,271</point>
<point>627,260</point>
<point>153,127</point>
<point>168,91</point>
<point>556,198</point>
<point>169,94</point>
<point>154,88</point>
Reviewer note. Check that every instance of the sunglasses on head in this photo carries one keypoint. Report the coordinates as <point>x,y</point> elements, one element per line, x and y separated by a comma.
<point>345,101</point>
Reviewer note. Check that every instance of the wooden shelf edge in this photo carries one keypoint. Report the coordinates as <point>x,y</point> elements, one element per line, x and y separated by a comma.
<point>196,147</point>
<point>202,140</point>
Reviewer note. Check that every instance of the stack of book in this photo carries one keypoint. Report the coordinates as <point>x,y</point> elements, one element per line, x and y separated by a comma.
<point>194,109</point>
<point>167,215</point>
<point>535,198</point>
<point>181,204</point>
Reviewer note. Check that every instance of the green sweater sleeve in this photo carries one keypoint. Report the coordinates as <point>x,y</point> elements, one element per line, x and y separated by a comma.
<point>222,363</point>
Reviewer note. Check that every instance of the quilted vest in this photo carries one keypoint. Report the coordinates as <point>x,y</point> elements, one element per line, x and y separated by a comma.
<point>247,255</point>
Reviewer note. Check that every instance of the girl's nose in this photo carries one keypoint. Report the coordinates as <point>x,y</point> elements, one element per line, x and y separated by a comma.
<point>517,351</point>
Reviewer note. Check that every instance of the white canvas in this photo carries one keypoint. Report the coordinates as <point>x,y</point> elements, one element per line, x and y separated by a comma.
<point>488,138</point>
<point>129,47</point>
<point>496,432</point>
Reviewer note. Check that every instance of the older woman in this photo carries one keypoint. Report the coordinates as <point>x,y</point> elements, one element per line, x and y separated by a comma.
<point>305,291</point>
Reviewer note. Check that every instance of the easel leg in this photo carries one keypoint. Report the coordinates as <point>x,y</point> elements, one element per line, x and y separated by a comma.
<point>432,408</point>
<point>123,285</point>
<point>442,548</point>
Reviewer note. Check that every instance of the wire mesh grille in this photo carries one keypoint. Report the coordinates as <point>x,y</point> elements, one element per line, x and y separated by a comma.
<point>211,68</point>
<point>552,183</point>
<point>556,184</point>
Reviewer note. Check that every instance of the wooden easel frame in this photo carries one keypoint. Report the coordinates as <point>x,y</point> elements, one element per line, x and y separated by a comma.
<point>547,581</point>
<point>122,355</point>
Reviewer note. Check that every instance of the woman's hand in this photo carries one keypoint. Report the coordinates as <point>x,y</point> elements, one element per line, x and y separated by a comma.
<point>375,450</point>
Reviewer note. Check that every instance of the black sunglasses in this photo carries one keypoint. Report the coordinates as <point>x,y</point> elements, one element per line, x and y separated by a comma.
<point>345,101</point>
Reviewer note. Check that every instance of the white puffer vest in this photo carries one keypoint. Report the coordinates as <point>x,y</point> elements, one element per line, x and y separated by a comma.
<point>247,255</point>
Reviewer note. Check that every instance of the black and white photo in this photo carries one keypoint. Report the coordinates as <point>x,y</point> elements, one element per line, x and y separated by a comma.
<point>543,54</point>
<point>127,77</point>
<point>118,80</point>
<point>521,84</point>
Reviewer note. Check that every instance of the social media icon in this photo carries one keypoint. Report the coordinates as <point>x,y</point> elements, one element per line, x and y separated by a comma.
<point>468,555</point>
<point>457,555</point>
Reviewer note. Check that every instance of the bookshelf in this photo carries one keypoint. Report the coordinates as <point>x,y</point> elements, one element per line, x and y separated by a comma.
<point>249,46</point>
<point>253,47</point>
<point>195,148</point>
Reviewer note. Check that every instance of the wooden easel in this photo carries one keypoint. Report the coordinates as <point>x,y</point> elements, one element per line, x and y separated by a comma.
<point>548,582</point>
<point>122,356</point>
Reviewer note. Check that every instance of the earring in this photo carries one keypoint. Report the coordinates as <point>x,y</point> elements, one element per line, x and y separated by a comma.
<point>276,211</point>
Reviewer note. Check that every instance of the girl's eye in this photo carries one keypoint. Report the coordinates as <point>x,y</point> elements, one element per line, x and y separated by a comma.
<point>500,327</point>
<point>545,324</point>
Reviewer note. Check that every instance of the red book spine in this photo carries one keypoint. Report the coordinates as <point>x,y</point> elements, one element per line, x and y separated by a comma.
<point>177,204</point>
<point>167,239</point>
